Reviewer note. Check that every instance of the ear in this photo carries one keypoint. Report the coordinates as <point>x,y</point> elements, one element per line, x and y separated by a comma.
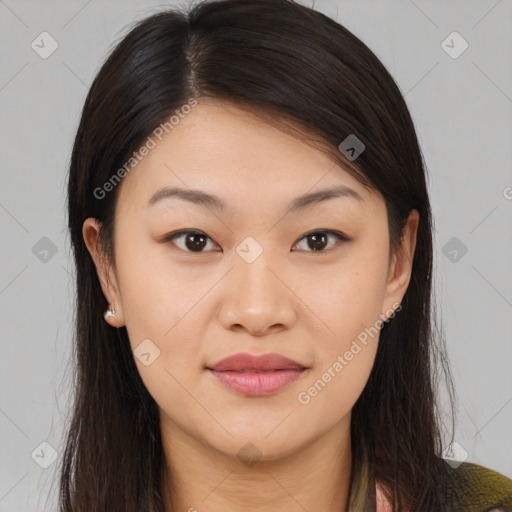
<point>400,270</point>
<point>104,268</point>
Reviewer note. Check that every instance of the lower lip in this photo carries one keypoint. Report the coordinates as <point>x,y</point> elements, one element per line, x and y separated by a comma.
<point>257,384</point>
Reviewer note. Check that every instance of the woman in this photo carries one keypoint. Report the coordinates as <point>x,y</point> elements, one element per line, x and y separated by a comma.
<point>252,236</point>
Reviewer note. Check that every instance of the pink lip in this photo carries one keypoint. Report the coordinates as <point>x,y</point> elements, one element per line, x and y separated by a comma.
<point>265,362</point>
<point>257,375</point>
<point>257,384</point>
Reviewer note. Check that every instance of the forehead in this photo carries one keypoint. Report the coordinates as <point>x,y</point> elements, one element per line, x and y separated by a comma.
<point>236,153</point>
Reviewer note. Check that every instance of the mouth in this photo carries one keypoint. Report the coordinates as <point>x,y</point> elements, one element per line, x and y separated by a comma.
<point>260,375</point>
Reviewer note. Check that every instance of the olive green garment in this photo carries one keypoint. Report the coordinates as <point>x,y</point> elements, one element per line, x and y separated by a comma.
<point>475,488</point>
<point>469,488</point>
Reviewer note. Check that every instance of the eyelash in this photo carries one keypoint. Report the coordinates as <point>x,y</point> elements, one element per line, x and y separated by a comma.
<point>337,234</point>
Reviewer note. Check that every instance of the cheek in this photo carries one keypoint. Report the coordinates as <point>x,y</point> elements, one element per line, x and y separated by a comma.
<point>167,323</point>
<point>345,324</point>
<point>156,294</point>
<point>344,298</point>
<point>163,304</point>
<point>345,345</point>
<point>331,392</point>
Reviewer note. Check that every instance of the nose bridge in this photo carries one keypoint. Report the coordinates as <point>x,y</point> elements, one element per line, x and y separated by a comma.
<point>253,264</point>
<point>256,298</point>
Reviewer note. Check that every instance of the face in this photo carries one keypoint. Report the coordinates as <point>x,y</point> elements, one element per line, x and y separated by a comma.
<point>194,282</point>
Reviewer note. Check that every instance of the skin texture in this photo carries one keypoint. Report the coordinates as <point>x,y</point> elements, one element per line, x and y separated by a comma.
<point>199,307</point>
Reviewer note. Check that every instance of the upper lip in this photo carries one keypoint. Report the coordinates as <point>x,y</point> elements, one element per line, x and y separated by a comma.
<point>244,361</point>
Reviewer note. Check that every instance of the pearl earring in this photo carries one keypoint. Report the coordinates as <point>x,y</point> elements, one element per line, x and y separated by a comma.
<point>109,313</point>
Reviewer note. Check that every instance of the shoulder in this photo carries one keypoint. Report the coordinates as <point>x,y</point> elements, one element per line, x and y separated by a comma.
<point>473,488</point>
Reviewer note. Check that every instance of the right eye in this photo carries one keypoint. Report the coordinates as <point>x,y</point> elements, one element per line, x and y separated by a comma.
<point>191,241</point>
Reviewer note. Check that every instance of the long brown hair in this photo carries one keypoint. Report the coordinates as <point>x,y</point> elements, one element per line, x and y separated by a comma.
<point>310,75</point>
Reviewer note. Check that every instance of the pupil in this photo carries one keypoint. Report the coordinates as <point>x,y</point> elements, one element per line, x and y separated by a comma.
<point>195,245</point>
<point>315,239</point>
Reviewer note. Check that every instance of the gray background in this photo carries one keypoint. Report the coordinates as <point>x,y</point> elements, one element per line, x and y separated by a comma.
<point>462,108</point>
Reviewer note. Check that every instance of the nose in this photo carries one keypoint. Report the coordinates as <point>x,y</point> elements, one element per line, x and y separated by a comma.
<point>256,299</point>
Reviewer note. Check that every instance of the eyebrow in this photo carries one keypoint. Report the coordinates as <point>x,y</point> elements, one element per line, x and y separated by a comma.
<point>200,197</point>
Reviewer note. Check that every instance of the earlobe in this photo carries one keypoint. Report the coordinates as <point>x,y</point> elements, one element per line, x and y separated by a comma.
<point>91,231</point>
<point>109,317</point>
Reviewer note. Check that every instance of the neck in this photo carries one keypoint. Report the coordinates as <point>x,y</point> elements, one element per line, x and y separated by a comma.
<point>200,478</point>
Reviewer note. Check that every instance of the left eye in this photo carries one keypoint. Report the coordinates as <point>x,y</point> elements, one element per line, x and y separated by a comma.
<point>195,241</point>
<point>317,239</point>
